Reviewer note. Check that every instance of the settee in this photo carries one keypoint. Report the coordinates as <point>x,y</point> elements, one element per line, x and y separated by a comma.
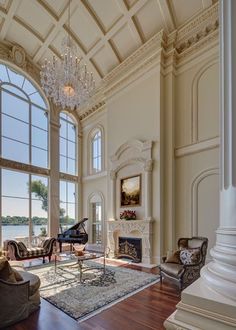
<point>18,250</point>
<point>19,293</point>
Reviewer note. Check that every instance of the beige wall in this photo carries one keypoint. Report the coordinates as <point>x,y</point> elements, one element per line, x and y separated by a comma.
<point>197,154</point>
<point>179,111</point>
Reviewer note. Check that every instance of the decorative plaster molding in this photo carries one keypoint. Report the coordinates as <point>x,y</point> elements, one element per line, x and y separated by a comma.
<point>133,144</point>
<point>168,51</point>
<point>148,166</point>
<point>199,23</point>
<point>194,100</point>
<point>94,176</point>
<point>138,228</point>
<point>194,196</point>
<point>197,147</point>
<point>95,108</point>
<point>23,167</point>
<point>133,152</point>
<point>15,54</point>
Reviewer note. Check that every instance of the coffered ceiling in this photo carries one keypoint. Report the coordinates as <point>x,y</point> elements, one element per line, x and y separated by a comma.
<point>105,31</point>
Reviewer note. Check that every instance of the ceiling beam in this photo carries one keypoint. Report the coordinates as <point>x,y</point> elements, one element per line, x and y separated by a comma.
<point>167,15</point>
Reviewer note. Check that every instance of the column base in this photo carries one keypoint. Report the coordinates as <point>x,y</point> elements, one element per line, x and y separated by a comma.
<point>202,309</point>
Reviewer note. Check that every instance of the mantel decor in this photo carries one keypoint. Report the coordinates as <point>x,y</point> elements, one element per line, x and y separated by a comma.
<point>128,215</point>
<point>130,191</point>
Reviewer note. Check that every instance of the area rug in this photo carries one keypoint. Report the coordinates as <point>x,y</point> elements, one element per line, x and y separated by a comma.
<point>97,291</point>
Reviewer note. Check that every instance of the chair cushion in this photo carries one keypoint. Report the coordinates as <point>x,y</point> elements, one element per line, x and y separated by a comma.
<point>171,269</point>
<point>6,272</point>
<point>173,257</point>
<point>189,256</point>
<point>34,281</point>
<point>194,243</point>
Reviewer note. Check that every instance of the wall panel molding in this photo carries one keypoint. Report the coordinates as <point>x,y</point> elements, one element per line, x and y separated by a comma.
<point>194,100</point>
<point>197,147</point>
<point>194,196</point>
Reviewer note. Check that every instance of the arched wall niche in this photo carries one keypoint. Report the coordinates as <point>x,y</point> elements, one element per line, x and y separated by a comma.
<point>132,158</point>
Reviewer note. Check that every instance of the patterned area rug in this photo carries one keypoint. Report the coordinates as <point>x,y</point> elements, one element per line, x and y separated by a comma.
<point>97,291</point>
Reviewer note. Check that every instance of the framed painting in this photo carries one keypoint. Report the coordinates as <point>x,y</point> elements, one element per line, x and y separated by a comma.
<point>130,191</point>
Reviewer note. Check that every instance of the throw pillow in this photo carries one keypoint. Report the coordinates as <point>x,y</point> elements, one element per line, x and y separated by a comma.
<point>6,272</point>
<point>189,256</point>
<point>173,257</point>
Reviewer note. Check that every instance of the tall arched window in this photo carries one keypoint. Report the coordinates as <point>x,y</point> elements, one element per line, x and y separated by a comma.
<point>96,147</point>
<point>68,166</point>
<point>24,145</point>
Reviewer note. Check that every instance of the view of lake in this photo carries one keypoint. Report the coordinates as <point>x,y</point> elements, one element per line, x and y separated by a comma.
<point>10,232</point>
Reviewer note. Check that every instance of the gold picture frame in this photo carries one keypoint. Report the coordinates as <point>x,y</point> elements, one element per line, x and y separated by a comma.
<point>130,191</point>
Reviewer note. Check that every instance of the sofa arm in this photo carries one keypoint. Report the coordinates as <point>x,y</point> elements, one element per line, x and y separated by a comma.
<point>163,259</point>
<point>48,244</point>
<point>14,302</point>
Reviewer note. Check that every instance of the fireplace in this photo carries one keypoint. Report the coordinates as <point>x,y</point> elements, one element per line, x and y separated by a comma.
<point>130,247</point>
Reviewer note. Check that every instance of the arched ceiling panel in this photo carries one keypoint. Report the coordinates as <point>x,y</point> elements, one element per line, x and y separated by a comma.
<point>149,19</point>
<point>106,31</point>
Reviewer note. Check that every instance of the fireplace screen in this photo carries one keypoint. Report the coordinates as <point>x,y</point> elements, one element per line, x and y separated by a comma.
<point>130,247</point>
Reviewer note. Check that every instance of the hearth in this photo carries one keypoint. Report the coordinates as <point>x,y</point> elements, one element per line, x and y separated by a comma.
<point>130,247</point>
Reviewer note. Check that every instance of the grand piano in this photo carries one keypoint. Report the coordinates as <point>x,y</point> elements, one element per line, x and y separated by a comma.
<point>75,234</point>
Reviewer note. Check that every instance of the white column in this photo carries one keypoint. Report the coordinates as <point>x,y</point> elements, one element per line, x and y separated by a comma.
<point>220,274</point>
<point>210,302</point>
<point>54,214</point>
<point>113,194</point>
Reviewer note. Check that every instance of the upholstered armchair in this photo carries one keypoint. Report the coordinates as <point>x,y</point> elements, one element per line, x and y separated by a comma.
<point>19,293</point>
<point>184,265</point>
<point>18,250</point>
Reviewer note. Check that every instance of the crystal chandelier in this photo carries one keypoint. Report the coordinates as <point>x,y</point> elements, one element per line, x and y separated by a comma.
<point>66,81</point>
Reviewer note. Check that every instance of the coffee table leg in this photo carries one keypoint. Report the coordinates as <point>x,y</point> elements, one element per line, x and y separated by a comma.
<point>80,263</point>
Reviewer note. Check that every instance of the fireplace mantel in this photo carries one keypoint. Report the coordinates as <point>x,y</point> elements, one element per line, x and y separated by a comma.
<point>132,228</point>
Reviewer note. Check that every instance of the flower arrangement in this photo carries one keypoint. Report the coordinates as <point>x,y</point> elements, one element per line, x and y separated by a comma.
<point>128,215</point>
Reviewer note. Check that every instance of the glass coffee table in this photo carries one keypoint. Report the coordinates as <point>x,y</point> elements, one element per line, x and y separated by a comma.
<point>89,256</point>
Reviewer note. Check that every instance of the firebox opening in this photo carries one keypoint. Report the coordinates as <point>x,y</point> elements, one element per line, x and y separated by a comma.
<point>130,247</point>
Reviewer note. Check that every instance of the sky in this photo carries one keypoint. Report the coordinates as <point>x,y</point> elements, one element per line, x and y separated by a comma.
<point>17,113</point>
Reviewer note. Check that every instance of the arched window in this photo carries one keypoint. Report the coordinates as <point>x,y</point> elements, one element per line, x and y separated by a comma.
<point>24,145</point>
<point>96,155</point>
<point>96,218</point>
<point>68,145</point>
<point>68,165</point>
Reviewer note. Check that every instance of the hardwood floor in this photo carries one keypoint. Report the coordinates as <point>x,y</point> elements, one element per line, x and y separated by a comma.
<point>147,309</point>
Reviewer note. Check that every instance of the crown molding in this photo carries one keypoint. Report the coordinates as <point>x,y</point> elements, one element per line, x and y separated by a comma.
<point>169,51</point>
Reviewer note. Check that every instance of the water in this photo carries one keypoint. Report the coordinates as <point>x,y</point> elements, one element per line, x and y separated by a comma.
<point>10,232</point>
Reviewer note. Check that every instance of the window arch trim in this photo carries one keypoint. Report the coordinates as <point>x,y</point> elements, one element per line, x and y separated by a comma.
<point>92,134</point>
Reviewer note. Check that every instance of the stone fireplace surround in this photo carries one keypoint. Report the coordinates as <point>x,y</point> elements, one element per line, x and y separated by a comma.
<point>132,228</point>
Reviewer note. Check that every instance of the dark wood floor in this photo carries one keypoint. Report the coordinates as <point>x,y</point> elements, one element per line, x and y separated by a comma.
<point>145,310</point>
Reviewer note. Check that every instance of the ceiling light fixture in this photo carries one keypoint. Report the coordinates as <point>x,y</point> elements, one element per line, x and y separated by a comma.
<point>66,81</point>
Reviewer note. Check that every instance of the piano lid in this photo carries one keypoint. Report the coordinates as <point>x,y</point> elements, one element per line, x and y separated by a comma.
<point>79,224</point>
